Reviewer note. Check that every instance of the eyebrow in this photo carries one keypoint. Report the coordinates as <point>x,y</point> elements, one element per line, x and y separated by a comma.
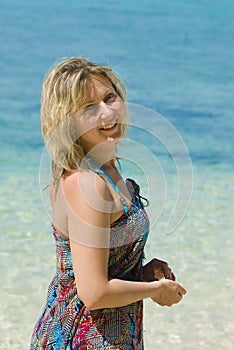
<point>109,90</point>
<point>89,102</point>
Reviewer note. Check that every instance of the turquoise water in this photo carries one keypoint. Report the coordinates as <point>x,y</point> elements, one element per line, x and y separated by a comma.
<point>175,58</point>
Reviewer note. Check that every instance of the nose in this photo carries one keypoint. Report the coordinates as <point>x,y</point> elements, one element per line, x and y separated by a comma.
<point>105,111</point>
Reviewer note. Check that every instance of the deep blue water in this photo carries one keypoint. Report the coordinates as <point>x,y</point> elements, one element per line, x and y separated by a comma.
<point>174,57</point>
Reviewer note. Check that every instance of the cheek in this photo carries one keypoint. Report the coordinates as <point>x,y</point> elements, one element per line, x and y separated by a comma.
<point>120,109</point>
<point>86,126</point>
<point>88,139</point>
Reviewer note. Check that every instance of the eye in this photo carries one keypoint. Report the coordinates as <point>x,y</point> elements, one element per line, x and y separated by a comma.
<point>110,97</point>
<point>88,107</point>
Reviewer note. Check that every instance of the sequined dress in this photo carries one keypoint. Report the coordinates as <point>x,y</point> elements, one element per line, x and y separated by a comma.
<point>66,323</point>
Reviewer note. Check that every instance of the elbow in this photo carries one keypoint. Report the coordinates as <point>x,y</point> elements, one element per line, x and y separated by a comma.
<point>91,304</point>
<point>92,299</point>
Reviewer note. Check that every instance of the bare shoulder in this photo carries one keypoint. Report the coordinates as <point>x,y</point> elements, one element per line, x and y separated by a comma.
<point>83,185</point>
<point>78,179</point>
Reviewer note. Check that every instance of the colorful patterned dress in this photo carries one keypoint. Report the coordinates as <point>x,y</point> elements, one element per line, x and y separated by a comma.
<point>66,323</point>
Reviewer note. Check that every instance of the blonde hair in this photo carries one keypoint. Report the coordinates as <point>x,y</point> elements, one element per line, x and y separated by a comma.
<point>65,88</point>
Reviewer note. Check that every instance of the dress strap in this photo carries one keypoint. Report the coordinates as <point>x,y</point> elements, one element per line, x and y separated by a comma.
<point>101,171</point>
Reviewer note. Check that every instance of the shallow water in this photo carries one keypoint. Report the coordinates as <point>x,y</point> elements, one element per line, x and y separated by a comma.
<point>199,251</point>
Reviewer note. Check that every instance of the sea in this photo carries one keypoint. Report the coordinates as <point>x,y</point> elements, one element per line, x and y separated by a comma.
<point>176,61</point>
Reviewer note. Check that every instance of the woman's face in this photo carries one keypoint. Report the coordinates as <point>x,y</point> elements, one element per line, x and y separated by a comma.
<point>102,116</point>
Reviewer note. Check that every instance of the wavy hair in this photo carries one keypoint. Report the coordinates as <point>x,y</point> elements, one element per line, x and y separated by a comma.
<point>65,88</point>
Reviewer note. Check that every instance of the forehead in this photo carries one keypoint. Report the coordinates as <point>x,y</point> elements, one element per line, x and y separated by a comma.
<point>97,85</point>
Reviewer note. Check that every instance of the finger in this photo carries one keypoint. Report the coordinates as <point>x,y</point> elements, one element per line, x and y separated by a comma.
<point>179,297</point>
<point>169,274</point>
<point>173,277</point>
<point>181,290</point>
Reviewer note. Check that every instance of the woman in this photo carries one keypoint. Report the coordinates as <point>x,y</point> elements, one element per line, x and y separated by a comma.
<point>99,222</point>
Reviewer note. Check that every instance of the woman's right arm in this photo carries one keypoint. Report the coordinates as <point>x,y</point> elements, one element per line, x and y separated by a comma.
<point>89,228</point>
<point>96,291</point>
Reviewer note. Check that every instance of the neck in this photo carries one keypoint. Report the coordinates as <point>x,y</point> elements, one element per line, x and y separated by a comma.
<point>103,154</point>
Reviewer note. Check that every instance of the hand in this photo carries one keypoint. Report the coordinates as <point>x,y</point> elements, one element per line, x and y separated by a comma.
<point>157,269</point>
<point>170,293</point>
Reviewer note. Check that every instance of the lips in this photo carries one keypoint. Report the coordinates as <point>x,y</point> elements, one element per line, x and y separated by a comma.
<point>108,126</point>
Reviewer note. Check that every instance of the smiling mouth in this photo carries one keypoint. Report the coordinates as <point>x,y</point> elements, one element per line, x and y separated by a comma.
<point>108,126</point>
